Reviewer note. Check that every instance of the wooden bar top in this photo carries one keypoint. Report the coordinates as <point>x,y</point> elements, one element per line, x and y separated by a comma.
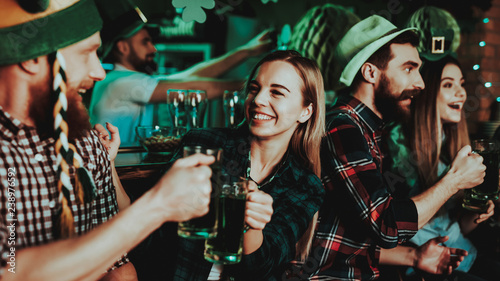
<point>139,170</point>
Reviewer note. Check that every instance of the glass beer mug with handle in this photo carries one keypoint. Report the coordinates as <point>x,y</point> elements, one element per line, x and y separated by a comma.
<point>205,226</point>
<point>196,105</point>
<point>476,198</point>
<point>227,246</point>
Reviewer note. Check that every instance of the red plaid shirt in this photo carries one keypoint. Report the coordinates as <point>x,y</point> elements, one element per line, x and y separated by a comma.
<point>359,215</point>
<point>29,196</point>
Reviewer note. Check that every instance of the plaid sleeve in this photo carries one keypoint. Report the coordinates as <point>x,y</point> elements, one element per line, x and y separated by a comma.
<point>356,187</point>
<point>104,206</point>
<point>296,202</point>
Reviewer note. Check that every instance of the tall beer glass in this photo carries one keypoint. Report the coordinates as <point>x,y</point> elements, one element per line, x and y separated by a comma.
<point>227,246</point>
<point>206,226</point>
<point>476,199</point>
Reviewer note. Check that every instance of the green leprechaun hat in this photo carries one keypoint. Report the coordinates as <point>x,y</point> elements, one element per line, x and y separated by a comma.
<point>438,31</point>
<point>53,25</point>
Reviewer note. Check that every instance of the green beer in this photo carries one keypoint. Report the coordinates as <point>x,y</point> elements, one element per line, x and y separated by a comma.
<point>488,190</point>
<point>226,247</point>
<point>205,226</point>
<point>476,198</point>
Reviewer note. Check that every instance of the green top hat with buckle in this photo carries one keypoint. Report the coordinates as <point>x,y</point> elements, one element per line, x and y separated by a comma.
<point>361,42</point>
<point>122,19</point>
<point>438,31</point>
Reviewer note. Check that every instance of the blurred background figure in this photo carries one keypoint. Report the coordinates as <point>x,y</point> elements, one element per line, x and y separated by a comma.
<point>316,36</point>
<point>122,98</point>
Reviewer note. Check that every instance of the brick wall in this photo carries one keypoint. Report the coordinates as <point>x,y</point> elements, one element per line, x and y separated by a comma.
<point>482,99</point>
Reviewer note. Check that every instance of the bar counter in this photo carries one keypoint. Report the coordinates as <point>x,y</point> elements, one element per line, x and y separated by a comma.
<point>139,170</point>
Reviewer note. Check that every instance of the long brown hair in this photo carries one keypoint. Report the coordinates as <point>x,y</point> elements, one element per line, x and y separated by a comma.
<point>426,128</point>
<point>306,140</point>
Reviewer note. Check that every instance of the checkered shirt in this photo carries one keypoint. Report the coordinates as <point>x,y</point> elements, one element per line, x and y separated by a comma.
<point>359,215</point>
<point>297,195</point>
<point>29,196</point>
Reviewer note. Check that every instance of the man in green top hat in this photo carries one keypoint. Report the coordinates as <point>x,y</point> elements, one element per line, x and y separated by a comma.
<point>122,98</point>
<point>360,220</point>
<point>58,204</point>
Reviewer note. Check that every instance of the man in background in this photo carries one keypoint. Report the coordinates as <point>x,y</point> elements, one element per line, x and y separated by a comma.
<point>123,97</point>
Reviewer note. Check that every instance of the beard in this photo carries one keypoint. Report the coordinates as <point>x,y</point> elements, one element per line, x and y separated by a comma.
<point>147,65</point>
<point>77,116</point>
<point>389,104</point>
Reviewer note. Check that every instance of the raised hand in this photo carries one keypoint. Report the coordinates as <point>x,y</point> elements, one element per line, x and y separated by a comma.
<point>259,44</point>
<point>184,191</point>
<point>112,144</point>
<point>433,258</point>
<point>468,168</point>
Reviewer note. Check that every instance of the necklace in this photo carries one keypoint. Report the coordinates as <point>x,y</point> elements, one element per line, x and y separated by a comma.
<point>278,167</point>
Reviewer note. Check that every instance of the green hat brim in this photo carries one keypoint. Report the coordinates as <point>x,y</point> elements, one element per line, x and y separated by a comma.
<point>45,35</point>
<point>354,65</point>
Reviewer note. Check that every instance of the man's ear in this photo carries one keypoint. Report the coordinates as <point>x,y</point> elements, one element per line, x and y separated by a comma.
<point>122,47</point>
<point>370,72</point>
<point>32,66</point>
<point>306,113</point>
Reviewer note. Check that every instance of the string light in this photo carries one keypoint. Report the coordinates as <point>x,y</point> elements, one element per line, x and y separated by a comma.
<point>498,99</point>
<point>477,66</point>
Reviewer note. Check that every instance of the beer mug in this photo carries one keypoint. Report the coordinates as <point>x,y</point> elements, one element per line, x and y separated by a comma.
<point>476,198</point>
<point>227,246</point>
<point>205,226</point>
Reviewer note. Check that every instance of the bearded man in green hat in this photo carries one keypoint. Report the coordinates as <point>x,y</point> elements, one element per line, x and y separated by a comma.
<point>360,220</point>
<point>58,204</point>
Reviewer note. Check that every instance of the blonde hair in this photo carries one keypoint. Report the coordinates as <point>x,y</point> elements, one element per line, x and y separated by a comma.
<point>306,140</point>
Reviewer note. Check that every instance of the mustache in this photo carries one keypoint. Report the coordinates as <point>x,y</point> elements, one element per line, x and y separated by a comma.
<point>407,94</point>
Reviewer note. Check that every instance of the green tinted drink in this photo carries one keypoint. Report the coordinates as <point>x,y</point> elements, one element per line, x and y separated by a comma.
<point>205,226</point>
<point>473,204</point>
<point>226,247</point>
<point>488,190</point>
<point>476,198</point>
